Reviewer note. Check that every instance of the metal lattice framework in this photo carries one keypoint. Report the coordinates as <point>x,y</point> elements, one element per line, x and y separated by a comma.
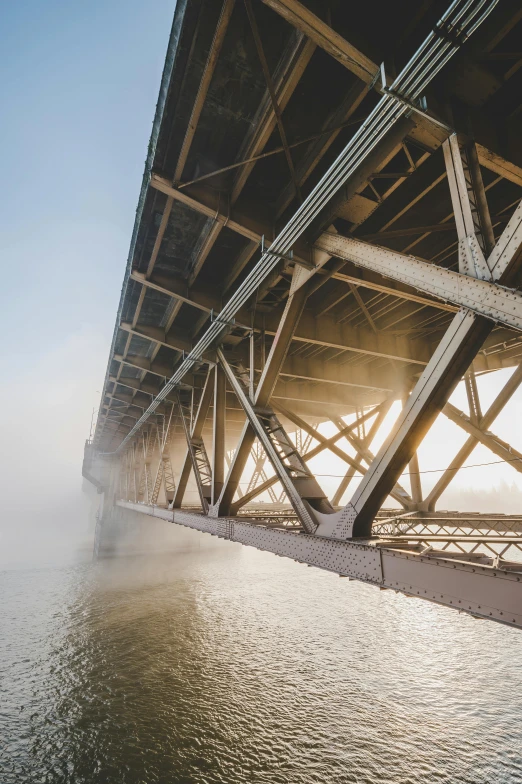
<point>337,236</point>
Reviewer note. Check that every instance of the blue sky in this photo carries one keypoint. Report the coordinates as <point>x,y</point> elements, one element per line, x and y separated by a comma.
<point>79,83</point>
<point>78,89</point>
<point>79,86</point>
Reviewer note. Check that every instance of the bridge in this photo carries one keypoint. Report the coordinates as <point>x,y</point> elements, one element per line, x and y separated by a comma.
<point>330,220</point>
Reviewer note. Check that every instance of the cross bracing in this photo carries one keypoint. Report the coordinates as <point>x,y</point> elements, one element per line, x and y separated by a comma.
<point>317,236</point>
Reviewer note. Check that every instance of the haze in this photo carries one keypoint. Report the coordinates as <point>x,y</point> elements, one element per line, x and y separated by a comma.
<point>79,87</point>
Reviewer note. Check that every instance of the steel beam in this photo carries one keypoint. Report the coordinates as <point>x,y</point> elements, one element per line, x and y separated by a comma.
<point>318,148</point>
<point>324,331</point>
<point>427,62</point>
<point>208,72</point>
<point>489,417</point>
<point>198,458</point>
<point>381,412</point>
<point>488,299</point>
<point>301,488</point>
<point>485,437</point>
<point>287,76</point>
<point>451,359</point>
<point>485,591</point>
<point>495,163</point>
<point>219,430</point>
<point>290,318</point>
<point>196,432</point>
<point>397,492</point>
<point>316,450</point>
<point>318,31</point>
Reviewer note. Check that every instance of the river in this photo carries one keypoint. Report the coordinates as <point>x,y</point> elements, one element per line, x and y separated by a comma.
<point>231,665</point>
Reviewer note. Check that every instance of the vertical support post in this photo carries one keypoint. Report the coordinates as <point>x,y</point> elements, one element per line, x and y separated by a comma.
<point>415,480</point>
<point>252,366</point>
<point>283,338</point>
<point>413,465</point>
<point>218,449</point>
<point>470,207</point>
<point>475,413</point>
<point>197,429</point>
<point>263,343</point>
<point>383,409</point>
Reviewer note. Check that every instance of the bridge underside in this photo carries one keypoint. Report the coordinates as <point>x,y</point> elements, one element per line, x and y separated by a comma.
<point>318,236</point>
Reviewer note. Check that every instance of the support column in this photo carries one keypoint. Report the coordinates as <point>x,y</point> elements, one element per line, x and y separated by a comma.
<point>197,429</point>
<point>475,412</point>
<point>450,361</point>
<point>218,449</point>
<point>415,480</point>
<point>345,481</point>
<point>466,450</point>
<point>285,332</point>
<point>316,450</point>
<point>299,484</point>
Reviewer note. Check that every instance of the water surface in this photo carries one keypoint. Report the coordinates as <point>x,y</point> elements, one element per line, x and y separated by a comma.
<point>232,665</point>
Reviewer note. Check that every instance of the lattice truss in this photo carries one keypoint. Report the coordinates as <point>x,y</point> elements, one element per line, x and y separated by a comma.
<point>223,371</point>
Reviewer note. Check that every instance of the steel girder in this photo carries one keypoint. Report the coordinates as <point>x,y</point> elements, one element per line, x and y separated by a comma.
<point>452,357</point>
<point>407,87</point>
<point>484,297</point>
<point>487,419</point>
<point>475,586</point>
<point>193,433</point>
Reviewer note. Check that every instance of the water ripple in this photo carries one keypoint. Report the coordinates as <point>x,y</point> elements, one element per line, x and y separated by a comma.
<point>231,665</point>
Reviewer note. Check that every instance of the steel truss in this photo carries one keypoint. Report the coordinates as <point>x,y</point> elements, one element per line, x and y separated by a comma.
<point>456,560</point>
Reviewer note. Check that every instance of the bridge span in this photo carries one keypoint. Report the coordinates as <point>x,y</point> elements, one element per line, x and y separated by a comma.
<point>330,220</point>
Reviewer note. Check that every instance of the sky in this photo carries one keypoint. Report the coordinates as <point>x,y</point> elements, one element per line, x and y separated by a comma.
<point>78,88</point>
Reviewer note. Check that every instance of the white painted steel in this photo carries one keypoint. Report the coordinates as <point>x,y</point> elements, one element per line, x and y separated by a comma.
<point>487,299</point>
<point>482,591</point>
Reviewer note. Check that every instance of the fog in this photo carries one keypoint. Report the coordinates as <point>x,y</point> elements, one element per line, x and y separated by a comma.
<point>46,414</point>
<point>78,94</point>
<point>80,111</point>
<point>490,486</point>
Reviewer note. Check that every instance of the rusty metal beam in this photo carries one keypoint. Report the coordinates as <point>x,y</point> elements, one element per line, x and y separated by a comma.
<point>318,31</point>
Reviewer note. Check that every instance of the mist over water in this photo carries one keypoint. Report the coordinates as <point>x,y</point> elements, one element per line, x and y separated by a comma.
<point>231,665</point>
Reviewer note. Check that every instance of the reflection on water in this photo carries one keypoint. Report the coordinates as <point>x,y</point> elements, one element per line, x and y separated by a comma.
<point>236,666</point>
